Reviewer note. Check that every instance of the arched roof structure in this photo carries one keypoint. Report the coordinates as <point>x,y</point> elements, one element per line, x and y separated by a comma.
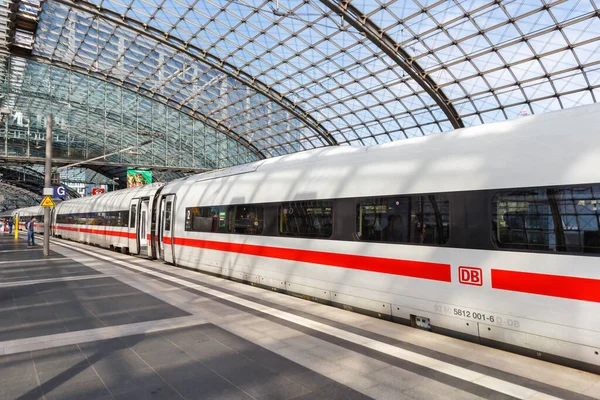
<point>212,83</point>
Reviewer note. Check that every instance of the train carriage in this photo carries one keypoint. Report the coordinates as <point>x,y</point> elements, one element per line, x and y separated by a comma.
<point>489,233</point>
<point>117,220</point>
<point>23,215</point>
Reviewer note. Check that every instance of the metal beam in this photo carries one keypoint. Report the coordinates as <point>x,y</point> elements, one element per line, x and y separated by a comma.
<point>203,57</point>
<point>363,24</point>
<point>58,162</point>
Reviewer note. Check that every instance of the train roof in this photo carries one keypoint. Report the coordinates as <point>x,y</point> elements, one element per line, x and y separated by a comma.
<point>556,148</point>
<point>118,198</point>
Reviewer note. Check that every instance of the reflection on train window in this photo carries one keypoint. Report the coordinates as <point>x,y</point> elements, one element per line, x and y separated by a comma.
<point>552,219</point>
<point>132,215</point>
<point>168,215</point>
<point>207,219</point>
<point>404,219</point>
<point>106,218</point>
<point>248,220</point>
<point>306,218</point>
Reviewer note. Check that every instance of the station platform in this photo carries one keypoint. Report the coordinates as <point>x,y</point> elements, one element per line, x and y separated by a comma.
<point>88,323</point>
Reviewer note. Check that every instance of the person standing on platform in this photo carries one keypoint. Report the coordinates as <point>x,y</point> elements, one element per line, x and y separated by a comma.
<point>29,226</point>
<point>10,226</point>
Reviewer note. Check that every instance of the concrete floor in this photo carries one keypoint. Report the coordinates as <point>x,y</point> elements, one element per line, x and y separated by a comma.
<point>110,326</point>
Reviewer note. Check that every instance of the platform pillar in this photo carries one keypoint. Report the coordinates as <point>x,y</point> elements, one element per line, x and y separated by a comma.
<point>48,183</point>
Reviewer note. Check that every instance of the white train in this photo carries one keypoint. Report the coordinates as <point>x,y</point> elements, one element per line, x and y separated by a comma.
<point>489,233</point>
<point>25,214</point>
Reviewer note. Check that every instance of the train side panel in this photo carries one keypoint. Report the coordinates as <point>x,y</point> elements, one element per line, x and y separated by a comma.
<point>103,220</point>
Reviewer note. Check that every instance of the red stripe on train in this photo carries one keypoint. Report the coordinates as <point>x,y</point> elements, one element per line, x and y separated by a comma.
<point>415,269</point>
<point>105,232</point>
<point>567,287</point>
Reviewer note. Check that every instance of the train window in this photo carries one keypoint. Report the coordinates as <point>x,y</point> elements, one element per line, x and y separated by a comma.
<point>306,218</point>
<point>248,220</point>
<point>110,218</point>
<point>132,216</point>
<point>564,219</point>
<point>404,219</point>
<point>208,219</point>
<point>167,215</point>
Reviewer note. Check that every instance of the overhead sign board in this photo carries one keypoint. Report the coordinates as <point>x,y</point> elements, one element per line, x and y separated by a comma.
<point>60,192</point>
<point>96,191</point>
<point>47,202</point>
<point>138,177</point>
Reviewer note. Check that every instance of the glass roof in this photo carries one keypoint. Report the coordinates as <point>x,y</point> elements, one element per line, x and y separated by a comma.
<point>93,117</point>
<point>278,76</point>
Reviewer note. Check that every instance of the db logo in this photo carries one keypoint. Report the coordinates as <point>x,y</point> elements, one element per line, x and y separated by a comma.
<point>470,276</point>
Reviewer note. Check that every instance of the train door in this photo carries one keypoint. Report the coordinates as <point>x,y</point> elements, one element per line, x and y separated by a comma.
<point>160,223</point>
<point>143,232</point>
<point>167,227</point>
<point>133,237</point>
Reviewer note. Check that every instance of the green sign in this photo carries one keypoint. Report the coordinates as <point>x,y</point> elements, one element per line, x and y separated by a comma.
<point>138,177</point>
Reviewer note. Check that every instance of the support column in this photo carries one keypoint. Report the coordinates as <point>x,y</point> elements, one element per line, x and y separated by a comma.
<point>48,183</point>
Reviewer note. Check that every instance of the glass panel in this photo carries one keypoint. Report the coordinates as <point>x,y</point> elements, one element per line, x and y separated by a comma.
<point>306,218</point>
<point>168,216</point>
<point>108,218</point>
<point>561,219</point>
<point>132,216</point>
<point>404,219</point>
<point>248,220</point>
<point>208,219</point>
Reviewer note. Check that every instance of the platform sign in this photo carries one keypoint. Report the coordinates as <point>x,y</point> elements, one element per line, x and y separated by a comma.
<point>96,191</point>
<point>60,192</point>
<point>47,202</point>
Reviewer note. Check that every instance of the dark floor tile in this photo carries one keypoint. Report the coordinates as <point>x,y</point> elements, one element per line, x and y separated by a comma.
<point>51,329</point>
<point>166,356</point>
<point>83,324</point>
<point>214,332</point>
<point>274,362</point>
<point>229,394</point>
<point>231,365</point>
<point>104,347</point>
<point>133,381</point>
<point>38,313</point>
<point>99,307</point>
<point>276,387</point>
<point>239,344</point>
<point>90,389</point>
<point>334,391</point>
<point>25,380</point>
<point>17,390</point>
<point>70,310</point>
<point>11,334</point>
<point>16,369</point>
<point>206,350</point>
<point>60,364</point>
<point>309,379</point>
<point>150,393</point>
<point>10,323</point>
<point>76,372</point>
<point>8,359</point>
<point>155,316</point>
<point>185,336</point>
<point>206,387</point>
<point>181,371</point>
<point>126,363</point>
<point>70,351</point>
<point>120,319</point>
<point>152,343</point>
